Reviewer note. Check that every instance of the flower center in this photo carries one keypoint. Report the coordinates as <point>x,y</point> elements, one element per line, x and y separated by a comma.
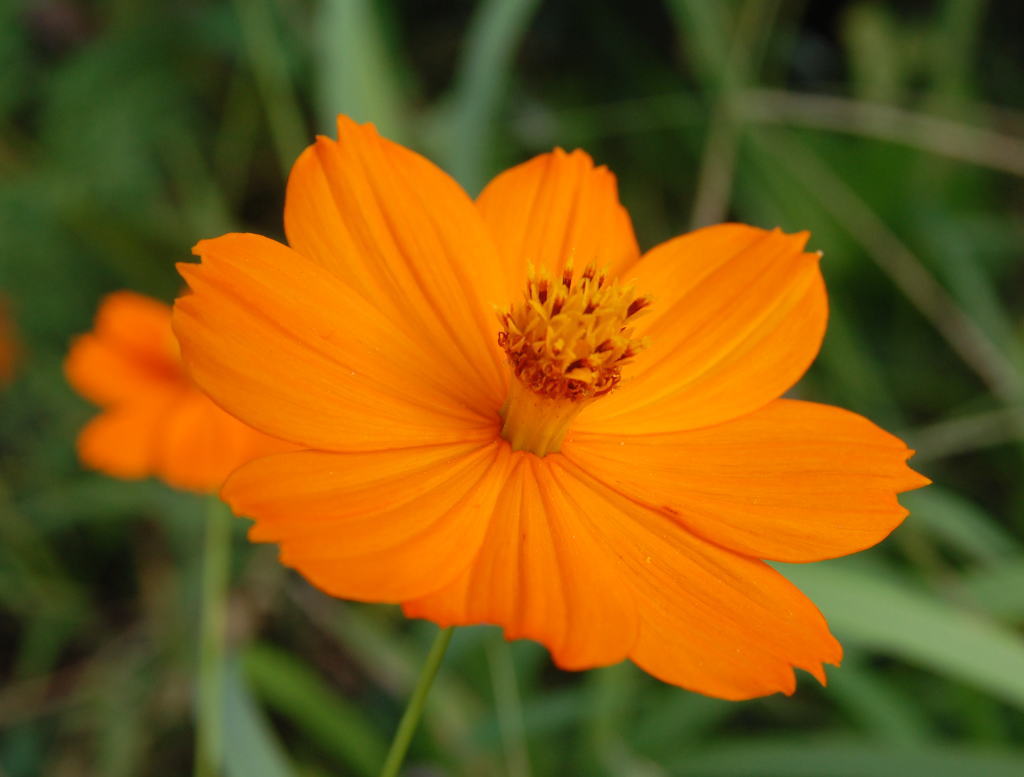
<point>566,343</point>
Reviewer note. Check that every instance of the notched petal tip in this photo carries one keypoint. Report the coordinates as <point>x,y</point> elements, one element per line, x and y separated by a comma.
<point>555,207</point>
<point>227,496</point>
<point>914,479</point>
<point>818,673</point>
<point>188,271</point>
<point>323,144</point>
<point>215,246</point>
<point>801,238</point>
<point>832,656</point>
<point>346,124</point>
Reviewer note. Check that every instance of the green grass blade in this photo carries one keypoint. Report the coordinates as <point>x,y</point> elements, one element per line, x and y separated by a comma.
<point>959,523</point>
<point>803,757</point>
<point>337,725</point>
<point>883,613</point>
<point>495,32</point>
<point>702,28</point>
<point>270,70</point>
<point>356,73</point>
<point>997,588</point>
<point>250,747</point>
<point>879,707</point>
<point>508,706</point>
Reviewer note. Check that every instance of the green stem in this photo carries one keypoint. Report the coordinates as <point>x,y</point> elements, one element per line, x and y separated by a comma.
<point>414,710</point>
<point>213,609</point>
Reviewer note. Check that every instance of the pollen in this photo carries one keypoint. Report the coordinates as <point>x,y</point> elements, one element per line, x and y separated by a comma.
<point>566,343</point>
<point>569,338</point>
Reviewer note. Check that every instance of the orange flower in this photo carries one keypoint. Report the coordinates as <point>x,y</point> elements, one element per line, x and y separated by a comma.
<point>155,421</point>
<point>603,469</point>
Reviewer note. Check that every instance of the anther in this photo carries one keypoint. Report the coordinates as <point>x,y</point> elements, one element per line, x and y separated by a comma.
<point>575,366</point>
<point>637,305</point>
<point>574,347</point>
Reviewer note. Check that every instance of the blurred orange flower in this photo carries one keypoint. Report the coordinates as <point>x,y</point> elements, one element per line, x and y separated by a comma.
<point>603,469</point>
<point>154,420</point>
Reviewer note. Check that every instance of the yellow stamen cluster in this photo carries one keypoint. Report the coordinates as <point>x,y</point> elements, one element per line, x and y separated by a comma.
<point>569,338</point>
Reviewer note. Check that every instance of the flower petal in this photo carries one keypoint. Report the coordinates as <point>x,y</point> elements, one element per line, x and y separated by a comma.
<point>123,441</point>
<point>738,315</point>
<point>404,236</point>
<point>543,572</point>
<point>200,445</point>
<point>130,352</point>
<point>710,620</point>
<point>597,577</point>
<point>555,207</point>
<point>380,526</point>
<point>793,481</point>
<point>288,348</point>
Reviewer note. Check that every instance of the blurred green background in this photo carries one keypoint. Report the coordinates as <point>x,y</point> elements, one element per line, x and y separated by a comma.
<point>893,131</point>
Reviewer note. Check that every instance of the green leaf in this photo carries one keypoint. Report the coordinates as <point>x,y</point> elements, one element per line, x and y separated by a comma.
<point>842,757</point>
<point>961,524</point>
<point>266,52</point>
<point>884,613</point>
<point>998,588</point>
<point>877,65</point>
<point>250,746</point>
<point>337,725</point>
<point>356,72</point>
<point>880,707</point>
<point>703,29</point>
<point>495,32</point>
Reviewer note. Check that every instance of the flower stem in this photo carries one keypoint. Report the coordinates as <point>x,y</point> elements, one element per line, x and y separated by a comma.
<point>414,710</point>
<point>209,703</point>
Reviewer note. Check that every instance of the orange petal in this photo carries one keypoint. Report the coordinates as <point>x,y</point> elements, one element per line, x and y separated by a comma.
<point>139,324</point>
<point>793,481</point>
<point>596,578</point>
<point>544,572</point>
<point>407,238</point>
<point>131,351</point>
<point>288,348</point>
<point>555,207</point>
<point>738,315</point>
<point>710,620</point>
<point>123,441</point>
<point>381,526</point>
<point>200,444</point>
